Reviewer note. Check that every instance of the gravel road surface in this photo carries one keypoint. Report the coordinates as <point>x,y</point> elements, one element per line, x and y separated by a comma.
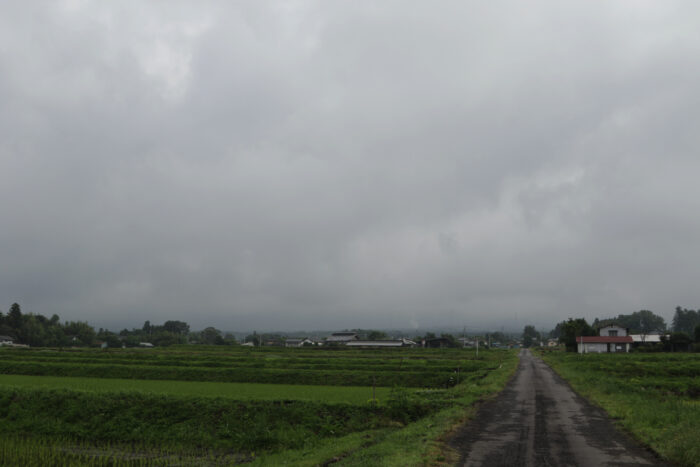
<point>538,420</point>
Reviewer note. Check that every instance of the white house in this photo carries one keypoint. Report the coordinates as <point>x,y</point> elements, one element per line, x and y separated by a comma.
<point>5,340</point>
<point>611,339</point>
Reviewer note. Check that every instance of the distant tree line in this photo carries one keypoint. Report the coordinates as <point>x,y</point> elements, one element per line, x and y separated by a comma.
<point>37,330</point>
<point>40,331</point>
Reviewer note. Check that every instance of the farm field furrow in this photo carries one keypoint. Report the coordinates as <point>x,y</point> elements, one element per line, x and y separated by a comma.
<point>236,391</point>
<point>244,366</point>
<point>216,406</point>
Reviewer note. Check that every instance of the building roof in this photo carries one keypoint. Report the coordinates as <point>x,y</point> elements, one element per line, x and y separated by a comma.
<point>341,337</point>
<point>604,339</point>
<point>6,338</point>
<point>382,343</point>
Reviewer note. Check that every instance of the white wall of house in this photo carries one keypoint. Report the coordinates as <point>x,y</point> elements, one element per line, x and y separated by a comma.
<point>600,347</point>
<point>588,347</point>
<point>648,338</point>
<point>613,331</point>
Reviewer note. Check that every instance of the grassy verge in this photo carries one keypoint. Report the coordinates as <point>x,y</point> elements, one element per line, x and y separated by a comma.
<point>658,407</point>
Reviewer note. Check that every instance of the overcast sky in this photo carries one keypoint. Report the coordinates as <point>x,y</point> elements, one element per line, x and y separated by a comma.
<point>327,165</point>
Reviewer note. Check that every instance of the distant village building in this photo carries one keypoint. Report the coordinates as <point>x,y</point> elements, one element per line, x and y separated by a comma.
<point>145,344</point>
<point>342,337</point>
<point>466,342</point>
<point>274,342</point>
<point>385,343</point>
<point>611,338</point>
<point>298,342</point>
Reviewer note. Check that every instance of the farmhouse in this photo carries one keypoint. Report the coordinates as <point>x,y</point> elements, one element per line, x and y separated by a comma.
<point>342,337</point>
<point>375,344</point>
<point>611,339</point>
<point>5,340</point>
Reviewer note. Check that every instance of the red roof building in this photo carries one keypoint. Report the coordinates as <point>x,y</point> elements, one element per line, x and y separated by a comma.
<point>613,339</point>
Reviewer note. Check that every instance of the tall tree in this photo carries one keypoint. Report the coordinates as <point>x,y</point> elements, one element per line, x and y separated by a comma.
<point>573,328</point>
<point>14,317</point>
<point>530,335</point>
<point>642,322</point>
<point>685,320</point>
<point>212,336</point>
<point>177,327</point>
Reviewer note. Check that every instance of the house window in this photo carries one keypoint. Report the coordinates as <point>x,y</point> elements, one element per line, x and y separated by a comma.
<point>612,333</point>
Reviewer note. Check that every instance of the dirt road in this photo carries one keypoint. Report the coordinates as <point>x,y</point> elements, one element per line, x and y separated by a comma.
<point>539,421</point>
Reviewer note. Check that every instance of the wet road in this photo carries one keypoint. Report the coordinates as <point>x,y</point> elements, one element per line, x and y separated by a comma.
<point>539,421</point>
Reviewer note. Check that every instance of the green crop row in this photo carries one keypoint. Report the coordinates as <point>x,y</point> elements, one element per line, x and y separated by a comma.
<point>235,353</point>
<point>299,364</point>
<point>247,353</point>
<point>236,391</point>
<point>42,452</point>
<point>424,378</point>
<point>218,423</point>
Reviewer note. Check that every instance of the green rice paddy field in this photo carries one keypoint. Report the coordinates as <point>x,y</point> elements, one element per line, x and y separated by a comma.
<point>222,406</point>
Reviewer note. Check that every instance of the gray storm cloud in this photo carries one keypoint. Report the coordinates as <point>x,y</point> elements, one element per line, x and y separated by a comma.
<point>309,165</point>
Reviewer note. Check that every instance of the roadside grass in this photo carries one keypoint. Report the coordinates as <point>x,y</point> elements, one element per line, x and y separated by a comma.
<point>237,391</point>
<point>657,403</point>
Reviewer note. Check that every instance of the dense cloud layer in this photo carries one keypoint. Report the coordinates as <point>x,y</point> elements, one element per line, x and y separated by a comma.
<point>313,165</point>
